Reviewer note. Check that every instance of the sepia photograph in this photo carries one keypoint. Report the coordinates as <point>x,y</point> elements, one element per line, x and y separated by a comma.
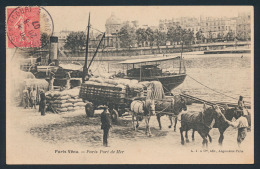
<point>129,84</point>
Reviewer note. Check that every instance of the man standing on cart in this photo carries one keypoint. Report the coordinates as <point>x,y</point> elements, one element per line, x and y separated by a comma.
<point>105,124</point>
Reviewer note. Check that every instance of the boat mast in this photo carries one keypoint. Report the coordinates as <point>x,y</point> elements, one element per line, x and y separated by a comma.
<point>85,68</point>
<point>181,56</point>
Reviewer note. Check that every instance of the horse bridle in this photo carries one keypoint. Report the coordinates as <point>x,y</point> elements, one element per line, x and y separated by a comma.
<point>176,111</point>
<point>203,120</point>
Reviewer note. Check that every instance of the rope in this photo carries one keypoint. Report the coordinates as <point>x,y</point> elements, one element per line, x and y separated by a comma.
<point>212,89</point>
<point>96,29</point>
<point>164,109</point>
<point>100,61</point>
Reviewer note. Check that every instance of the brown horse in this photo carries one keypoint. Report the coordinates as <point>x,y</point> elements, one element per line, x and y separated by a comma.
<point>222,125</point>
<point>201,122</point>
<point>142,110</point>
<point>176,106</point>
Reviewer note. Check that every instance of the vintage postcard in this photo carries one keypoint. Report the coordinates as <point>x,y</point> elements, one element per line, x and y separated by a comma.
<point>129,85</point>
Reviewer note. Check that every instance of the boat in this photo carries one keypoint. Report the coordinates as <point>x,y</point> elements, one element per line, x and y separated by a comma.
<point>169,70</point>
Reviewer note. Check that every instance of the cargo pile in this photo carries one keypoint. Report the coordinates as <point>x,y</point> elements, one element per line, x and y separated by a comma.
<point>24,81</point>
<point>130,87</point>
<point>65,101</point>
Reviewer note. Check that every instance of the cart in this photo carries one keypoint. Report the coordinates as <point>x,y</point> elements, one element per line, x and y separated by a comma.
<point>117,99</point>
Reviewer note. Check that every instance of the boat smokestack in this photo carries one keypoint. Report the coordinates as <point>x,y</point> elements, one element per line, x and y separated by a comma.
<point>54,50</point>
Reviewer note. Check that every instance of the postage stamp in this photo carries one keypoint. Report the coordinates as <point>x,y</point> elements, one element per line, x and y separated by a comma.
<point>25,26</point>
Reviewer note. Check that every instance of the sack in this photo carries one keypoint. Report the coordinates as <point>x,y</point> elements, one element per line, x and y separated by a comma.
<point>70,109</point>
<point>79,104</point>
<point>60,101</point>
<point>79,107</point>
<point>48,97</point>
<point>67,105</point>
<point>62,109</point>
<point>64,97</point>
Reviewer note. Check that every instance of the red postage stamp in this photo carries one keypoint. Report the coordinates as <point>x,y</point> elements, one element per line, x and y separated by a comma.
<point>23,27</point>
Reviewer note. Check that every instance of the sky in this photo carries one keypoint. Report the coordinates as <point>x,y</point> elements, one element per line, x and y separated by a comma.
<point>75,18</point>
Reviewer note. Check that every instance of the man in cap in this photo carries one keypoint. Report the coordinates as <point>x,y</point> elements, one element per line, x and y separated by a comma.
<point>33,96</point>
<point>105,124</point>
<point>25,98</point>
<point>42,104</point>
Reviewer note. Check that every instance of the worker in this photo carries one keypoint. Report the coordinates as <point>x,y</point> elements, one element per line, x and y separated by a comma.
<point>33,96</point>
<point>51,87</point>
<point>241,124</point>
<point>241,105</point>
<point>25,98</point>
<point>105,125</point>
<point>68,77</point>
<point>42,104</point>
<point>29,97</point>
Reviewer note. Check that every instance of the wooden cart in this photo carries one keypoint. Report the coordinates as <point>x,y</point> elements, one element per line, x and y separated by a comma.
<point>117,99</point>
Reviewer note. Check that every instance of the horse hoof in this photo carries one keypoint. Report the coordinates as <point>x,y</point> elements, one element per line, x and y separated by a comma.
<point>193,139</point>
<point>182,142</point>
<point>170,127</point>
<point>187,141</point>
<point>174,130</point>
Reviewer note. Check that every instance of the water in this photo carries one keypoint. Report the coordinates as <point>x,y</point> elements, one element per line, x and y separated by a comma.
<point>226,73</point>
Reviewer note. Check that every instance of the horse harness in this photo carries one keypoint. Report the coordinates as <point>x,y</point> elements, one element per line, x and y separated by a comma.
<point>144,108</point>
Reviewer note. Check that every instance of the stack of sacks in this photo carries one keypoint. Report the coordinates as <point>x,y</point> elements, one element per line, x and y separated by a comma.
<point>67,100</point>
<point>135,88</point>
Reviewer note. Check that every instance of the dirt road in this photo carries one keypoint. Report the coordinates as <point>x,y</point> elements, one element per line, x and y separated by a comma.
<point>74,129</point>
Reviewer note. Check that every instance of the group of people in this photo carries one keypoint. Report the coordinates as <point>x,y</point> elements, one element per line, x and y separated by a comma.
<point>30,99</point>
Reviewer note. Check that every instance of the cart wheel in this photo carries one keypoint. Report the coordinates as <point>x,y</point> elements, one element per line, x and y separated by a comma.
<point>114,116</point>
<point>89,108</point>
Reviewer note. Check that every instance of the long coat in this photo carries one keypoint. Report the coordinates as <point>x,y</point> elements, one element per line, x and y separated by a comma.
<point>105,120</point>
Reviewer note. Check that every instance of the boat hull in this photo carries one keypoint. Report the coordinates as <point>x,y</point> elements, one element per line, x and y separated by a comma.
<point>168,82</point>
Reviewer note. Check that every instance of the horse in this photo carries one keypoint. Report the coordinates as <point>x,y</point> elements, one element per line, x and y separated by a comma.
<point>176,106</point>
<point>201,122</point>
<point>222,125</point>
<point>142,109</point>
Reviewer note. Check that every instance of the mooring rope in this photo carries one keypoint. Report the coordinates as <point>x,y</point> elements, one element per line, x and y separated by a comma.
<point>213,89</point>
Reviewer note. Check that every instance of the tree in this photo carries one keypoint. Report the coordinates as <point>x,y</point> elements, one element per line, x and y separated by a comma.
<point>75,41</point>
<point>45,41</point>
<point>230,36</point>
<point>178,34</point>
<point>141,36</point>
<point>199,35</point>
<point>220,36</point>
<point>127,36</point>
<point>150,35</point>
<point>210,38</point>
<point>159,37</point>
<point>187,36</point>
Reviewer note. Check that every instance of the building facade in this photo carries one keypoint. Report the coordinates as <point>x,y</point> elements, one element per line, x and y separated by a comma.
<point>243,26</point>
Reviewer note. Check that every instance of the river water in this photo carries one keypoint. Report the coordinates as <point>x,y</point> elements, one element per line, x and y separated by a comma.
<point>229,74</point>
